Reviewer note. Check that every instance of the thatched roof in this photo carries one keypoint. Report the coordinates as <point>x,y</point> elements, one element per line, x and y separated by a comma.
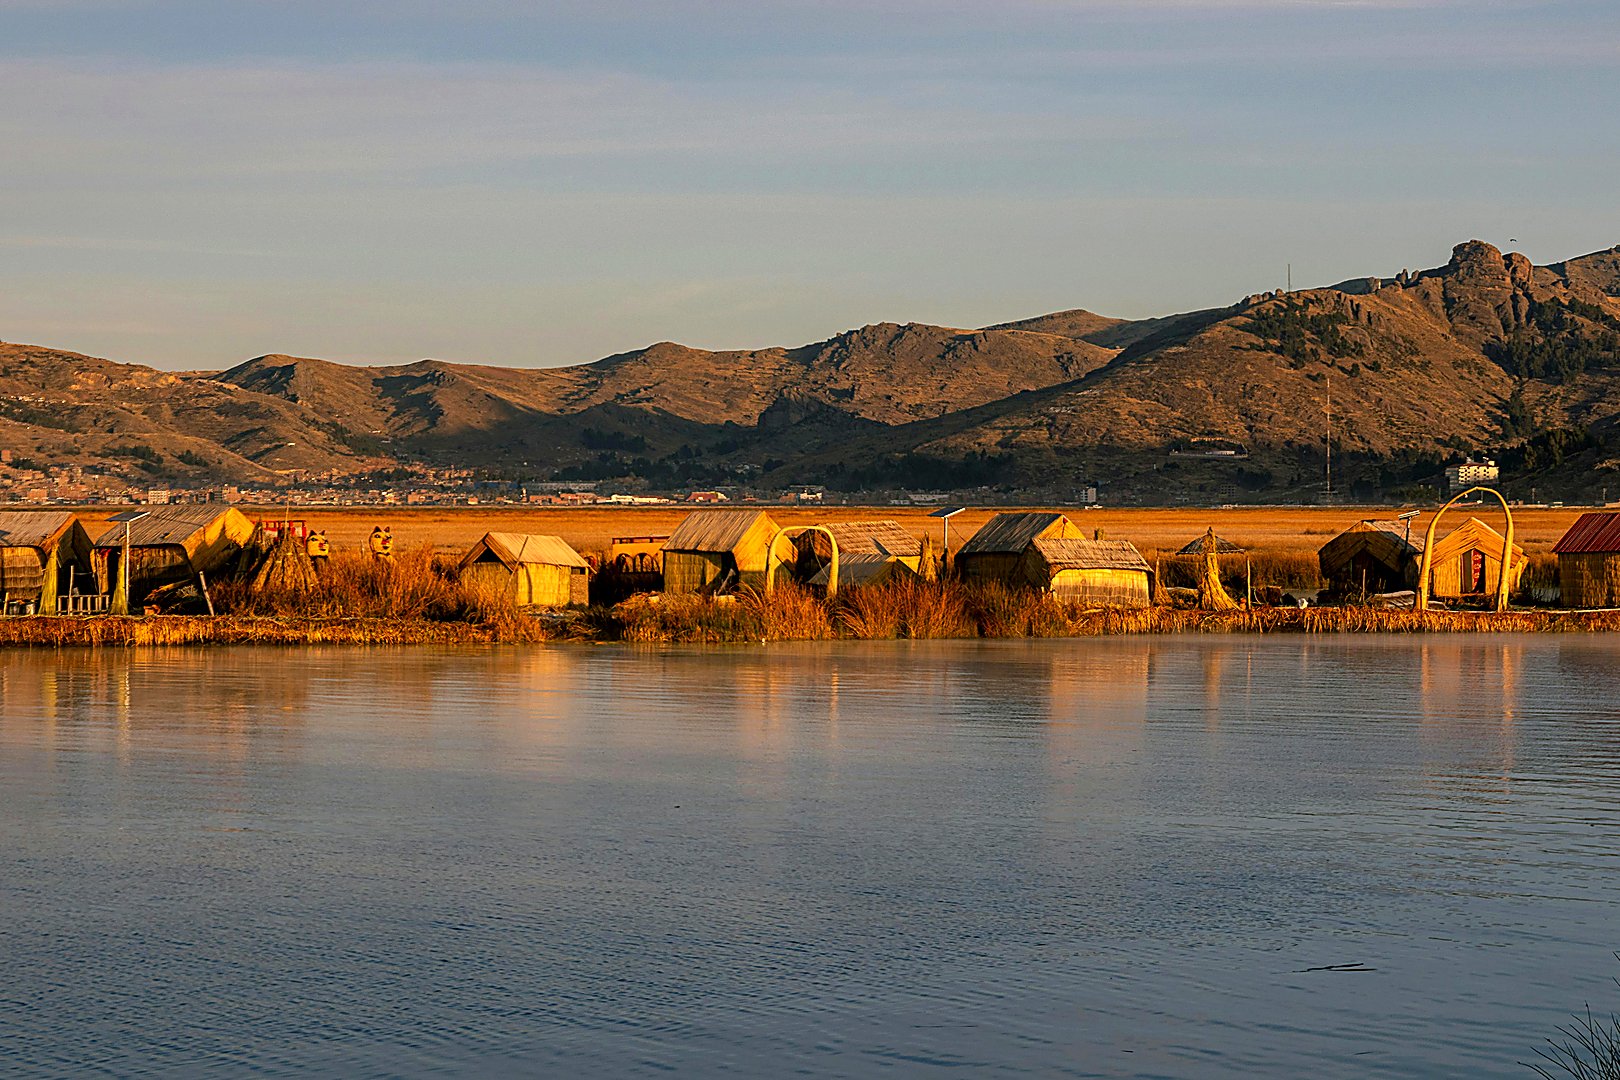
<point>1385,541</point>
<point>1222,547</point>
<point>516,549</point>
<point>860,569</point>
<point>713,530</point>
<point>33,528</point>
<point>1009,534</point>
<point>1070,554</point>
<point>885,537</point>
<point>1471,535</point>
<point>166,525</point>
<point>1592,534</point>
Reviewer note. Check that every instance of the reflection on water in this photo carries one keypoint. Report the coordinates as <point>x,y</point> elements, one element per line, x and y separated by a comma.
<point>1097,858</point>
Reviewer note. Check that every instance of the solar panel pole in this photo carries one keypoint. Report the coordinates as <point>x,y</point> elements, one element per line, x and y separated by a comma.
<point>120,597</point>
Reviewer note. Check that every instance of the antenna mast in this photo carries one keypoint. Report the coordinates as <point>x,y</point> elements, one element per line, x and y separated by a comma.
<point>1328,462</point>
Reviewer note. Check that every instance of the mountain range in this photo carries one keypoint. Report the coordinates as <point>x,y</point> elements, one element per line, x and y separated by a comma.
<point>1486,354</point>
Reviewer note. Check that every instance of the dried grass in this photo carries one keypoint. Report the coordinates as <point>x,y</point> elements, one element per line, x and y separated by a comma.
<point>416,602</point>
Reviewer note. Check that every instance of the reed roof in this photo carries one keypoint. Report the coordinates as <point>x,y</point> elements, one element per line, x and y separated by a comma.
<point>1010,533</point>
<point>1072,554</point>
<point>1384,537</point>
<point>885,537</point>
<point>1222,547</point>
<point>33,528</point>
<point>168,525</point>
<point>714,530</point>
<point>516,549</point>
<point>1592,534</point>
<point>1472,534</point>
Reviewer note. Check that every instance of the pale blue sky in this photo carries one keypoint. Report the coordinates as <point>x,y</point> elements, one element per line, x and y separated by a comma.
<point>191,183</point>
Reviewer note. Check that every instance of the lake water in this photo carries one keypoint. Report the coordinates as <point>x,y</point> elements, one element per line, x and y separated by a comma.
<point>1119,857</point>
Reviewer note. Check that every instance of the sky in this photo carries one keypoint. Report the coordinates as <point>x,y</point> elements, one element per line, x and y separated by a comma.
<point>192,183</point>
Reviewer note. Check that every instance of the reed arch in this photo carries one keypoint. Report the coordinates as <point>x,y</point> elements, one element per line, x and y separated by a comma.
<point>771,561</point>
<point>1502,578</point>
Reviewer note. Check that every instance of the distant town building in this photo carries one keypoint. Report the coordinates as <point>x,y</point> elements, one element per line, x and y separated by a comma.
<point>1471,473</point>
<point>708,497</point>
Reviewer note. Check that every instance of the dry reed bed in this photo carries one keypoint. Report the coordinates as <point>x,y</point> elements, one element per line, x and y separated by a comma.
<point>413,604</point>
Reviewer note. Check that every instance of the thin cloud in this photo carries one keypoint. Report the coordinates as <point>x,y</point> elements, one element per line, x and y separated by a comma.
<point>214,121</point>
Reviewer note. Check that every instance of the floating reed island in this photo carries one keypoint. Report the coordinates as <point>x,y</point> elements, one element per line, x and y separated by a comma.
<point>915,610</point>
<point>205,577</point>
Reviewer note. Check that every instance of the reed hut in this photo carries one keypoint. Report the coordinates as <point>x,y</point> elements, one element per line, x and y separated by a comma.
<point>1589,562</point>
<point>171,545</point>
<point>716,551</point>
<point>531,571</point>
<point>869,553</point>
<point>1371,556</point>
<point>44,555</point>
<point>1468,562</point>
<point>997,551</point>
<point>1089,571</point>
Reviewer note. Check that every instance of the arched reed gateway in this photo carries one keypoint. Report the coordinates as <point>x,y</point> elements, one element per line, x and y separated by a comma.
<point>869,553</point>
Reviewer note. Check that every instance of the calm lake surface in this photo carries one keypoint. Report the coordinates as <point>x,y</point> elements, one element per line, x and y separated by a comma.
<point>1117,857</point>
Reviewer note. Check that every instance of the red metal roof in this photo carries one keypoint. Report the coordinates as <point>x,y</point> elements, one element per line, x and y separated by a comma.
<point>1592,534</point>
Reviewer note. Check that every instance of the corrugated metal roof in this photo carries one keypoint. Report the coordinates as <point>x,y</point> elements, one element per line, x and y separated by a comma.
<point>515,549</point>
<point>1592,534</point>
<point>1070,554</point>
<point>883,537</point>
<point>1009,533</point>
<point>712,530</point>
<point>32,528</point>
<point>167,525</point>
<point>1223,546</point>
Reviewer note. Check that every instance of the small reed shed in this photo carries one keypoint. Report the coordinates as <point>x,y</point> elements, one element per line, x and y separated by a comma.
<point>1468,561</point>
<point>997,551</point>
<point>869,553</point>
<point>1089,571</point>
<point>1373,555</point>
<point>44,554</point>
<point>172,544</point>
<point>715,551</point>
<point>1589,562</point>
<point>530,570</point>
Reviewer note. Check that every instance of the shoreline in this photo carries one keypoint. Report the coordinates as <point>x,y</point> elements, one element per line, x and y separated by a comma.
<point>599,626</point>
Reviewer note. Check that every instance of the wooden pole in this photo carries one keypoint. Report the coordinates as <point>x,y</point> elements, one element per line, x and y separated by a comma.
<point>120,596</point>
